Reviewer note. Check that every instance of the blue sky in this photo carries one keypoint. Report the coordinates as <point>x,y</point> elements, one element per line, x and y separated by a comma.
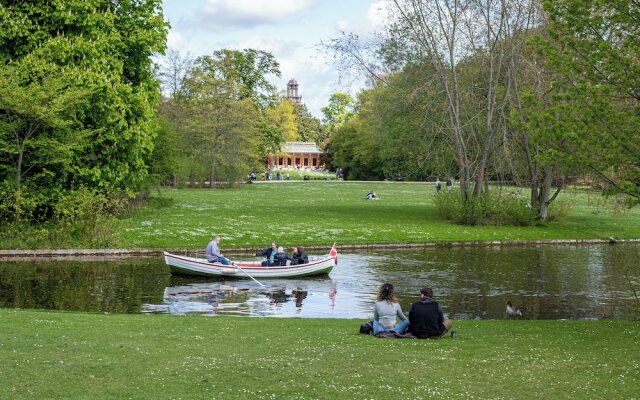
<point>289,29</point>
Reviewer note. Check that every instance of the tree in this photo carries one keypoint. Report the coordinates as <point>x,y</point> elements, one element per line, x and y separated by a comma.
<point>283,116</point>
<point>176,69</point>
<point>338,111</point>
<point>310,128</point>
<point>356,151</point>
<point>222,128</point>
<point>98,50</point>
<point>594,45</point>
<point>38,129</point>
<point>248,70</point>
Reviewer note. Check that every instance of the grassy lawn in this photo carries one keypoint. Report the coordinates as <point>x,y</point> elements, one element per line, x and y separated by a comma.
<point>320,213</point>
<point>86,356</point>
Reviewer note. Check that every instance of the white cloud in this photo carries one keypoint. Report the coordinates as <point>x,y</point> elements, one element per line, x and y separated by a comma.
<point>174,39</point>
<point>377,15</point>
<point>247,13</point>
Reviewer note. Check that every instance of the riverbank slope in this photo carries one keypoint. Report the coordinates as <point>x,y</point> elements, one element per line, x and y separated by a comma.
<point>76,355</point>
<point>320,213</point>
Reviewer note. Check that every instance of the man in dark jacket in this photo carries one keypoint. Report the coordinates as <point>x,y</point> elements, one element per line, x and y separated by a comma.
<point>270,253</point>
<point>426,317</point>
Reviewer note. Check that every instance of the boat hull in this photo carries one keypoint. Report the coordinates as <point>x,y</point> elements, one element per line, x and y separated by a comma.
<point>191,266</point>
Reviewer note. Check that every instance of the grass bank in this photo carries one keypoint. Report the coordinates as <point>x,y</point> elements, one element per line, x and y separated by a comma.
<point>323,212</point>
<point>319,213</point>
<point>86,356</point>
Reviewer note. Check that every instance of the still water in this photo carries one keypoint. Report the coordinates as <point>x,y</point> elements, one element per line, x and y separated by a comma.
<point>546,282</point>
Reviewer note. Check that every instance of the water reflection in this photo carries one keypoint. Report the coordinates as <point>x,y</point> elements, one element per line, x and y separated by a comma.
<point>545,282</point>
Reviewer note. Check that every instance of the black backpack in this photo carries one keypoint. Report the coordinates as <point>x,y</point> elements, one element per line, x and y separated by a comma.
<point>366,328</point>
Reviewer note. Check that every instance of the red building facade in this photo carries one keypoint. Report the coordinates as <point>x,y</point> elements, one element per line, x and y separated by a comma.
<point>296,155</point>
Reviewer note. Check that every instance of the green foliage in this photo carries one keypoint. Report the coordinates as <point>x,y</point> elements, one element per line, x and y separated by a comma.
<point>39,129</point>
<point>489,209</point>
<point>85,216</point>
<point>219,110</point>
<point>355,150</point>
<point>594,45</point>
<point>84,94</point>
<point>166,153</point>
<point>560,210</point>
<point>220,129</point>
<point>247,70</point>
<point>310,129</point>
<point>338,111</point>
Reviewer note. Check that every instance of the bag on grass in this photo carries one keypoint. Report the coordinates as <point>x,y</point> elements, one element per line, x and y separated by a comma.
<point>366,328</point>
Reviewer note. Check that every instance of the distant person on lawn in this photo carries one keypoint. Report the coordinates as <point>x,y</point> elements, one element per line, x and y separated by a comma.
<point>213,252</point>
<point>426,317</point>
<point>299,256</point>
<point>371,196</point>
<point>386,310</point>
<point>270,253</point>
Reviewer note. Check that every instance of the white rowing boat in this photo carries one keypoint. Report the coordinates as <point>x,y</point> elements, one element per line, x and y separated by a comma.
<point>193,266</point>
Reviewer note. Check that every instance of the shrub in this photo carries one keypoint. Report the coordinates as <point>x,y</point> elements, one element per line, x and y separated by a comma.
<point>488,209</point>
<point>84,216</point>
<point>559,209</point>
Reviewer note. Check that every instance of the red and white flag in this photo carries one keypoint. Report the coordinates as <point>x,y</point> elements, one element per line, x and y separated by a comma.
<point>334,253</point>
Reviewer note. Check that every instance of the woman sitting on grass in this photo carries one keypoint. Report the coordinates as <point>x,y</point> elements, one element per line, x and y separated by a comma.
<point>386,310</point>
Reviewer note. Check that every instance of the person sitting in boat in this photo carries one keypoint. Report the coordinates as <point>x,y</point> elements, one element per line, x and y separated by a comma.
<point>281,258</point>
<point>299,256</point>
<point>270,253</point>
<point>213,252</point>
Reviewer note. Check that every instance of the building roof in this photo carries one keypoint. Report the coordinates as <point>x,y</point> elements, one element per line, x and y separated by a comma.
<point>301,147</point>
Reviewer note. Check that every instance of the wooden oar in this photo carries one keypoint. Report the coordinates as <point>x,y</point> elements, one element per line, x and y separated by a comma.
<point>233,264</point>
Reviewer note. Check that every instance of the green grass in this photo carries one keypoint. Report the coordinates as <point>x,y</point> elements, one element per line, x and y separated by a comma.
<point>320,213</point>
<point>60,355</point>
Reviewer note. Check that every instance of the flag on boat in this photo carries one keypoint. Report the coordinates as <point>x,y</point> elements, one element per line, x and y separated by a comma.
<point>334,253</point>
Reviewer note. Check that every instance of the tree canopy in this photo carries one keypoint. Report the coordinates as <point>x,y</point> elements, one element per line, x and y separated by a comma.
<point>97,53</point>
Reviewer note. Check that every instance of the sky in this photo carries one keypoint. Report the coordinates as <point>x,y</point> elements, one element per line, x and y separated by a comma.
<point>289,29</point>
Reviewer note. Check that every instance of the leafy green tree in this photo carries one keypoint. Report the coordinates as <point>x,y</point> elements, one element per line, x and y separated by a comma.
<point>356,151</point>
<point>221,128</point>
<point>248,70</point>
<point>283,116</point>
<point>310,128</point>
<point>103,49</point>
<point>594,45</point>
<point>38,131</point>
<point>338,111</point>
<point>167,153</point>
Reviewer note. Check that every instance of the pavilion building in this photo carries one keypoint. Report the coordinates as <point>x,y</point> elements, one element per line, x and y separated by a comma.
<point>296,155</point>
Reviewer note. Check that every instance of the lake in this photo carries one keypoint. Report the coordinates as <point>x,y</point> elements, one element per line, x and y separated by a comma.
<point>546,282</point>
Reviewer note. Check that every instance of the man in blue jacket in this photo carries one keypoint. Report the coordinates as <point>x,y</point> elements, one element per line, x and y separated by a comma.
<point>426,319</point>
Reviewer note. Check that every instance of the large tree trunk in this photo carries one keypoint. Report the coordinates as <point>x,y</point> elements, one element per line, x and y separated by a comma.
<point>545,194</point>
<point>19,168</point>
<point>213,172</point>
